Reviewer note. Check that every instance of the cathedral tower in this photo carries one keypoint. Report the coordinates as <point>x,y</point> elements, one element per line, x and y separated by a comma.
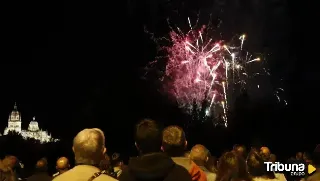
<point>14,121</point>
<point>33,125</point>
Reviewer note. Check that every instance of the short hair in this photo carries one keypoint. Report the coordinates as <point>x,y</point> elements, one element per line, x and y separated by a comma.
<point>62,163</point>
<point>88,146</point>
<point>42,165</point>
<point>173,141</point>
<point>102,134</point>
<point>232,166</point>
<point>299,155</point>
<point>12,161</point>
<point>199,154</point>
<point>8,163</point>
<point>265,152</point>
<point>306,155</point>
<point>241,150</point>
<point>256,166</point>
<point>148,136</point>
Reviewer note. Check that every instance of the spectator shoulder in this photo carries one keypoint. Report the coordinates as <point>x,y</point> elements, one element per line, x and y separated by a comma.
<point>181,173</point>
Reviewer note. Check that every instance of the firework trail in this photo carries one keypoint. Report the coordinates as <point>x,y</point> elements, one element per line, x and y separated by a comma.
<point>200,69</point>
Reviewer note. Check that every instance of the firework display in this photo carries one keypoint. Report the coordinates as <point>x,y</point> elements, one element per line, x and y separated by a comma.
<point>201,73</point>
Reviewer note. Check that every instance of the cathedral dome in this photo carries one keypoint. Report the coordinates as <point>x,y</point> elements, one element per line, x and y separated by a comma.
<point>33,125</point>
<point>15,114</point>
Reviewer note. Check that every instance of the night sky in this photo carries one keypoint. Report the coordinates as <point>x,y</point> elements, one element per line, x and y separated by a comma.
<point>80,65</point>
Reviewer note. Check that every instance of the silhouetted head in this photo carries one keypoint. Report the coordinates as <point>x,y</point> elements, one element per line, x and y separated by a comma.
<point>199,154</point>
<point>11,161</point>
<point>299,156</point>
<point>306,156</point>
<point>116,160</point>
<point>89,146</point>
<point>41,165</point>
<point>8,163</point>
<point>231,166</point>
<point>212,163</point>
<point>241,150</point>
<point>7,168</point>
<point>174,141</point>
<point>62,164</point>
<point>148,137</point>
<point>45,159</point>
<point>256,166</point>
<point>273,158</point>
<point>316,158</point>
<point>265,152</point>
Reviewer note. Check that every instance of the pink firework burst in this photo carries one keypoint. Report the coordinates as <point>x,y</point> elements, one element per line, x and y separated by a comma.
<point>200,69</point>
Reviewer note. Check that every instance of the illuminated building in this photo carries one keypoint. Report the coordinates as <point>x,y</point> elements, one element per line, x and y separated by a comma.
<point>14,125</point>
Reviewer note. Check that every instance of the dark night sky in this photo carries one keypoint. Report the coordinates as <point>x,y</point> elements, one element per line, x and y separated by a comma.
<point>79,65</point>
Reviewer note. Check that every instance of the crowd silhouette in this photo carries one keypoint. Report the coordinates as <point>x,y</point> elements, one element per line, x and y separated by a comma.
<point>163,155</point>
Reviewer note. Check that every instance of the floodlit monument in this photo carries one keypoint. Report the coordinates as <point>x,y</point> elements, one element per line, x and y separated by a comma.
<point>14,125</point>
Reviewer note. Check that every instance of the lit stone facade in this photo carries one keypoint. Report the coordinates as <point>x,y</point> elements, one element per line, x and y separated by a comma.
<point>14,124</point>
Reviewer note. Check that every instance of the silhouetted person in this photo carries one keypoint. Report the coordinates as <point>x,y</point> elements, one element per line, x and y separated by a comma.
<point>19,169</point>
<point>45,160</point>
<point>152,164</point>
<point>200,155</point>
<point>174,144</point>
<point>212,163</point>
<point>273,158</point>
<point>62,166</point>
<point>117,164</point>
<point>297,159</point>
<point>106,167</point>
<point>41,173</point>
<point>265,153</point>
<point>307,158</point>
<point>299,156</point>
<point>16,166</point>
<point>89,149</point>
<point>241,150</point>
<point>257,168</point>
<point>6,169</point>
<point>316,163</point>
<point>232,167</point>
<point>278,175</point>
